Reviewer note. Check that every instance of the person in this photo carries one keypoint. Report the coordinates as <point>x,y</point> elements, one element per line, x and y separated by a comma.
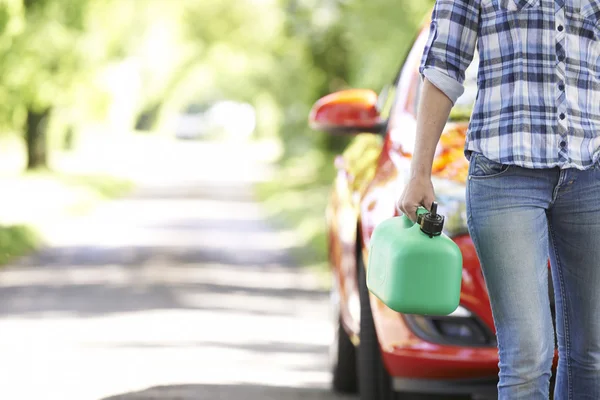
<point>533,188</point>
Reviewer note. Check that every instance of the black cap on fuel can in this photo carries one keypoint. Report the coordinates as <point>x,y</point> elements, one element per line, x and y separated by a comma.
<point>432,223</point>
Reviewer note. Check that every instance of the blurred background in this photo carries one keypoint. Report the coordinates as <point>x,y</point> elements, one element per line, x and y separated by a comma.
<point>161,196</point>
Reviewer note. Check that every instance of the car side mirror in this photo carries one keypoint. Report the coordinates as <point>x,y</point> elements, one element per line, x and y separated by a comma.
<point>347,112</point>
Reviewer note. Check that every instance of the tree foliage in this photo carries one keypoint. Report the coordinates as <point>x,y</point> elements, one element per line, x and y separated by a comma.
<point>56,57</point>
<point>40,57</point>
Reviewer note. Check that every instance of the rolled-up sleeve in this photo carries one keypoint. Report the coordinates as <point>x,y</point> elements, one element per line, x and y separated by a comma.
<point>451,45</point>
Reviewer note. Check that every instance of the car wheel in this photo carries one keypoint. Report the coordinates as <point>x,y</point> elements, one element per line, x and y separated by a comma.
<point>374,382</point>
<point>344,363</point>
<point>342,352</point>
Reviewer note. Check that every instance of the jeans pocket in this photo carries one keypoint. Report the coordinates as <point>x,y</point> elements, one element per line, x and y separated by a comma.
<point>482,167</point>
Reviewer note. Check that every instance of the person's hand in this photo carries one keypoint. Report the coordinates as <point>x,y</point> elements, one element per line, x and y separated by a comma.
<point>418,192</point>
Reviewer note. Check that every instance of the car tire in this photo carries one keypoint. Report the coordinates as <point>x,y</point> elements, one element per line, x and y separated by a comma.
<point>343,362</point>
<point>374,381</point>
<point>342,352</point>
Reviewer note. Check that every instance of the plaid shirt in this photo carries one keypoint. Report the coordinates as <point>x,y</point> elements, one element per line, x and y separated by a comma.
<point>538,101</point>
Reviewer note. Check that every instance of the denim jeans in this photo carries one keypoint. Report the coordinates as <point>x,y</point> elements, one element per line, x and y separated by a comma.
<point>518,219</point>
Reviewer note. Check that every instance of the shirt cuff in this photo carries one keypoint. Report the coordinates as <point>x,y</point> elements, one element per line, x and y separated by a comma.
<point>449,86</point>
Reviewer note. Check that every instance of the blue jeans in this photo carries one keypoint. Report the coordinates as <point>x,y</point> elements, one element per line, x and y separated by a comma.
<point>518,218</point>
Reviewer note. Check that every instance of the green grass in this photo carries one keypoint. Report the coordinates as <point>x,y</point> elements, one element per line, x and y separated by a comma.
<point>296,198</point>
<point>17,240</point>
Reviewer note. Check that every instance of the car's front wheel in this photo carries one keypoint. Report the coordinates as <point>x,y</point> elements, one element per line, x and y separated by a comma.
<point>374,382</point>
<point>342,352</point>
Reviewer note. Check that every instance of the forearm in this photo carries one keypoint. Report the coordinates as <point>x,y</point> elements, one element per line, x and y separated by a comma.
<point>434,109</point>
<point>448,53</point>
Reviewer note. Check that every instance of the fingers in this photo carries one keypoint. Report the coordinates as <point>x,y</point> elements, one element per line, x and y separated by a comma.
<point>428,202</point>
<point>408,208</point>
<point>415,195</point>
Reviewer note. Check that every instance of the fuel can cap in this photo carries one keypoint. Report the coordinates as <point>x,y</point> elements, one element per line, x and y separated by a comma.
<point>432,223</point>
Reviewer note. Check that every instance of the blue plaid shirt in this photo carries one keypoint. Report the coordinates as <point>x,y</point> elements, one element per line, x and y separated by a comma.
<point>538,101</point>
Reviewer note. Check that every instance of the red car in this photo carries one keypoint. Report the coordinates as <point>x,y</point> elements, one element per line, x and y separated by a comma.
<point>384,354</point>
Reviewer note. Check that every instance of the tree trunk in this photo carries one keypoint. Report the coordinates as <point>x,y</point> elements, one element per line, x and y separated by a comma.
<point>36,138</point>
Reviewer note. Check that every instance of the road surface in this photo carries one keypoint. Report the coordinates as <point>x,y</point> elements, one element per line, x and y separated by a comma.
<point>181,291</point>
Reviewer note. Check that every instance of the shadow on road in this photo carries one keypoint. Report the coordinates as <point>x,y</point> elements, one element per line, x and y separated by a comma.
<point>213,191</point>
<point>191,286</point>
<point>138,256</point>
<point>195,260</point>
<point>218,392</point>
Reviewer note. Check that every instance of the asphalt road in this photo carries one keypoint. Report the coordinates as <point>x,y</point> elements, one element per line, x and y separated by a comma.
<point>181,291</point>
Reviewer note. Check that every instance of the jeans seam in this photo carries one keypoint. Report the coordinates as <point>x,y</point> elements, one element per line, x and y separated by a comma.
<point>475,243</point>
<point>469,187</point>
<point>556,192</point>
<point>564,311</point>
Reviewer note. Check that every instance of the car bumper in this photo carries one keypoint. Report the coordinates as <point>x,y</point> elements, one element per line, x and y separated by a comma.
<point>407,355</point>
<point>444,370</point>
<point>428,361</point>
<point>479,388</point>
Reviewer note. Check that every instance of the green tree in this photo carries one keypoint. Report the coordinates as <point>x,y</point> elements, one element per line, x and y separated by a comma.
<point>380,33</point>
<point>39,61</point>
